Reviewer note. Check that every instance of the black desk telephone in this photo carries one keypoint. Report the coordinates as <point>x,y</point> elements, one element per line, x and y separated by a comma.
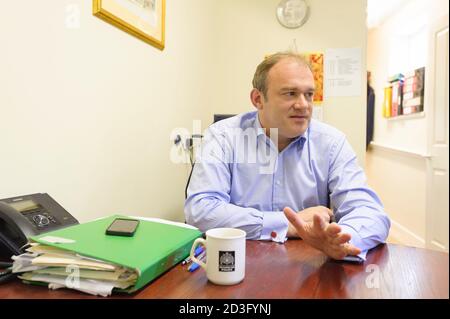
<point>29,215</point>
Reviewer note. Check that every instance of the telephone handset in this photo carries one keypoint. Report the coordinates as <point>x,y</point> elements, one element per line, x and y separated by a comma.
<point>29,215</point>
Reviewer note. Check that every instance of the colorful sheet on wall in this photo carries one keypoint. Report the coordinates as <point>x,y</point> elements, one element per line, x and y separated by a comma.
<point>316,61</point>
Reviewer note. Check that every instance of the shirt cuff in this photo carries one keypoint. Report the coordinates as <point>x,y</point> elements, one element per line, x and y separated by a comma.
<point>275,227</point>
<point>356,240</point>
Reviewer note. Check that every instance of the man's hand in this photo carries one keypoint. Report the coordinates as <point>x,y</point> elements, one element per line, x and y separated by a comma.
<point>322,235</point>
<point>307,216</point>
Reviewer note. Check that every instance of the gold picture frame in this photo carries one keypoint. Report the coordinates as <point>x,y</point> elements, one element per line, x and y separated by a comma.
<point>144,19</point>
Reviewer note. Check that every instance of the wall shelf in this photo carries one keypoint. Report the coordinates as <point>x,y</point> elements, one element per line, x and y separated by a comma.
<point>407,117</point>
<point>398,150</point>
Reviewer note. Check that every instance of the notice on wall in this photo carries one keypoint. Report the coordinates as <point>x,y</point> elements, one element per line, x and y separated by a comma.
<point>343,72</point>
<point>318,113</point>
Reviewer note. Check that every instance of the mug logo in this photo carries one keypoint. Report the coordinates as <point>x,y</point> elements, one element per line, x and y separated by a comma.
<point>226,261</point>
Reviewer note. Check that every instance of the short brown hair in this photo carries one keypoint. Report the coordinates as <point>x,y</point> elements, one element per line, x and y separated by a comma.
<point>260,78</point>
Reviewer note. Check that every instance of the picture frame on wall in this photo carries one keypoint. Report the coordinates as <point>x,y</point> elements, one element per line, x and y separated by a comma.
<point>144,19</point>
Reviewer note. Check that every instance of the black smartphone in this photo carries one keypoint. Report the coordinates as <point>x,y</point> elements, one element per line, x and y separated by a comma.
<point>122,227</point>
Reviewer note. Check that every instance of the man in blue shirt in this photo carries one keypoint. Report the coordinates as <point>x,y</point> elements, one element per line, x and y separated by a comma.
<point>275,172</point>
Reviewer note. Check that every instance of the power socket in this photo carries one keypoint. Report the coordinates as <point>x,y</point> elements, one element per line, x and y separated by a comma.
<point>189,142</point>
<point>177,139</point>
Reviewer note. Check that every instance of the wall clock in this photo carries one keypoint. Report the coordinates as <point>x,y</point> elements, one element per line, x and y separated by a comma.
<point>292,13</point>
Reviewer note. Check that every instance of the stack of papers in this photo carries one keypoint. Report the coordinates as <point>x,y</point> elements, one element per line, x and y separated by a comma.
<point>59,268</point>
<point>84,258</point>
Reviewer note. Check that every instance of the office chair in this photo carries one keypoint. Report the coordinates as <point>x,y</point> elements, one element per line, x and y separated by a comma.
<point>219,117</point>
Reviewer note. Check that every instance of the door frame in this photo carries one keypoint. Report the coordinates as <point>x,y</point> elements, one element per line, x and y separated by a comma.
<point>440,24</point>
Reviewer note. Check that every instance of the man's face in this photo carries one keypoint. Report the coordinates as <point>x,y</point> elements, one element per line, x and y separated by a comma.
<point>288,102</point>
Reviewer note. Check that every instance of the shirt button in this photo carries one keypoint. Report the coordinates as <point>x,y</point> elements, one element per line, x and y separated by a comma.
<point>278,183</point>
<point>273,234</point>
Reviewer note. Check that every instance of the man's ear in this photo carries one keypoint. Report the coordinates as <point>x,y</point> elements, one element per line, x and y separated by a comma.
<point>256,98</point>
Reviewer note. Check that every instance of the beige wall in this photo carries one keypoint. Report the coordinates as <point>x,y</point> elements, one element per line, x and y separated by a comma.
<point>400,181</point>
<point>87,113</point>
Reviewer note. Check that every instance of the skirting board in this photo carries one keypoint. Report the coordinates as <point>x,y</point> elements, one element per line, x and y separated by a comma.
<point>405,236</point>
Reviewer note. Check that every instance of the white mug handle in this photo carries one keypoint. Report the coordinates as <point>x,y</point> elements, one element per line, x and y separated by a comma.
<point>194,246</point>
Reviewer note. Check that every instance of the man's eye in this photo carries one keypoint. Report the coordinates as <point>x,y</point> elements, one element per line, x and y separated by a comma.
<point>309,95</point>
<point>290,93</point>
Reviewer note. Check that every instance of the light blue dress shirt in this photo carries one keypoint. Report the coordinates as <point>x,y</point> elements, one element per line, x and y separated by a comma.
<point>241,180</point>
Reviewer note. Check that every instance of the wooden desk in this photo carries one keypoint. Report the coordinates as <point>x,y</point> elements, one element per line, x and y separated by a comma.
<point>294,270</point>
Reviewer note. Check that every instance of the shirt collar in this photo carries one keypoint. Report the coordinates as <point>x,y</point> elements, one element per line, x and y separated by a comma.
<point>257,126</point>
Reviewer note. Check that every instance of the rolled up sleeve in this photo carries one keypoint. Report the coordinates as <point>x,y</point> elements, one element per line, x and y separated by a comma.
<point>357,207</point>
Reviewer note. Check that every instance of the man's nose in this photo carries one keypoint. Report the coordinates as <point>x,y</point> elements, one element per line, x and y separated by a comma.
<point>301,102</point>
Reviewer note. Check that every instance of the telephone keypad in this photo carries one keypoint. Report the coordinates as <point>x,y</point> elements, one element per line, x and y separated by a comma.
<point>40,218</point>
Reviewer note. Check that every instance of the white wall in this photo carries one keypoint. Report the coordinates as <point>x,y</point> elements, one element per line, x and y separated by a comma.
<point>396,164</point>
<point>87,113</point>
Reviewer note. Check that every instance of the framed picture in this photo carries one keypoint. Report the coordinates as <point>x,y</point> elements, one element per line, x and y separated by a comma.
<point>144,19</point>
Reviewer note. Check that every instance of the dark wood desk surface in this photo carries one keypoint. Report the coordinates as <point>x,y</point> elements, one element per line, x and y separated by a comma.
<point>294,270</point>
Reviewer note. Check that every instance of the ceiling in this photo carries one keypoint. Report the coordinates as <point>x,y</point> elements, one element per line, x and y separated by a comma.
<point>379,10</point>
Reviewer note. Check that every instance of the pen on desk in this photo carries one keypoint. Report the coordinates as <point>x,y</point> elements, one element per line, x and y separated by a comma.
<point>195,266</point>
<point>197,252</point>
